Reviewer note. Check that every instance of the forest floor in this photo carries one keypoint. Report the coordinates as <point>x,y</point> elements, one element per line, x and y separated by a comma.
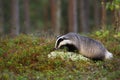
<point>25,57</point>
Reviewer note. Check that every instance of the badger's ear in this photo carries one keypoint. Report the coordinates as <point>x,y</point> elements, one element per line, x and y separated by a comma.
<point>65,38</point>
<point>57,36</point>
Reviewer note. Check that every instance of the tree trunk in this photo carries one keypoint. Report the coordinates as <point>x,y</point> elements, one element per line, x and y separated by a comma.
<point>96,13</point>
<point>45,14</point>
<point>1,17</point>
<point>58,16</point>
<point>84,15</point>
<point>117,20</point>
<point>53,17</point>
<point>103,15</point>
<point>26,16</point>
<point>72,12</point>
<point>15,18</point>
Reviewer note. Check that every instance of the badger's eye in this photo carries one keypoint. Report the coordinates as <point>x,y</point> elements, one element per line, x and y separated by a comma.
<point>58,42</point>
<point>61,39</point>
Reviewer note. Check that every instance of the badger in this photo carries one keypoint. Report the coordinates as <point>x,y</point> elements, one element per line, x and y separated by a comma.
<point>86,46</point>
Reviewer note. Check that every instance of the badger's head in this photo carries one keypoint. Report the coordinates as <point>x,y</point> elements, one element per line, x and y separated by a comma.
<point>64,41</point>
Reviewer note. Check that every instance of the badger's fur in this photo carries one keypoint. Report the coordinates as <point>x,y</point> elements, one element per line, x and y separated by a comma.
<point>86,46</point>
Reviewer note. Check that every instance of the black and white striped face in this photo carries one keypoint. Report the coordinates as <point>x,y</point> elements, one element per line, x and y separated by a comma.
<point>61,41</point>
<point>66,41</point>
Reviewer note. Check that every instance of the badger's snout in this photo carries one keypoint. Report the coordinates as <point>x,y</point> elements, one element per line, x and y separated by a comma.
<point>55,48</point>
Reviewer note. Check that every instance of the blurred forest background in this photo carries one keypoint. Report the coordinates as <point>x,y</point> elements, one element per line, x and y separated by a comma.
<point>25,57</point>
<point>58,16</point>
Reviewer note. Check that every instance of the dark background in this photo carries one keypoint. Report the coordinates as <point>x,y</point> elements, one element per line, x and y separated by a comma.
<point>58,16</point>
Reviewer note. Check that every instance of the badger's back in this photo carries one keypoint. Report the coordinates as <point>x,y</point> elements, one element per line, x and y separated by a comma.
<point>86,46</point>
<point>91,48</point>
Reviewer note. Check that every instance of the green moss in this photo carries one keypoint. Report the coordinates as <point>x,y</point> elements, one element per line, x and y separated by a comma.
<point>25,57</point>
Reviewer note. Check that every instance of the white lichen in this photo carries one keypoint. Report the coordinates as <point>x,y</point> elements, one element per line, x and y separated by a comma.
<point>66,55</point>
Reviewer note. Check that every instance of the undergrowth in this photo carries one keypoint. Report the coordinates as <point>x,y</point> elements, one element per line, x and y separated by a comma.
<point>25,57</point>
